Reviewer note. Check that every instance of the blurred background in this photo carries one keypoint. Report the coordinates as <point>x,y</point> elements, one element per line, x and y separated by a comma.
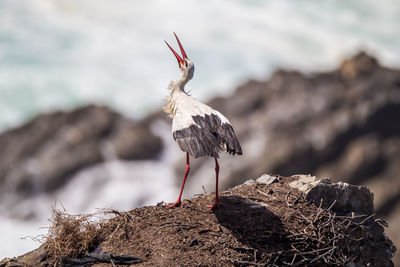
<point>310,87</point>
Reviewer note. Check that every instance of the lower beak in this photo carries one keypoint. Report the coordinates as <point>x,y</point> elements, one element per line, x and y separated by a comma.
<point>184,56</point>
<point>180,60</point>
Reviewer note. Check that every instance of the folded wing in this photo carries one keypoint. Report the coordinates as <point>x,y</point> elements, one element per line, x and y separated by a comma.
<point>208,136</point>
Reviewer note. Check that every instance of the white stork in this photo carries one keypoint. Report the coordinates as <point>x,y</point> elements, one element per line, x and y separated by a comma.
<point>198,129</point>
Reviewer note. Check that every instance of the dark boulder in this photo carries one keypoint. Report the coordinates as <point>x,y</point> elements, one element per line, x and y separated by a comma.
<point>42,154</point>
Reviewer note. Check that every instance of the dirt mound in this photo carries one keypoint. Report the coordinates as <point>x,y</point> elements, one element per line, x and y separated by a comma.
<point>258,224</point>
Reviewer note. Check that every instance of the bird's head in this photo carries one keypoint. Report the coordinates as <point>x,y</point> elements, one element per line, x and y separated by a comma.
<point>184,63</point>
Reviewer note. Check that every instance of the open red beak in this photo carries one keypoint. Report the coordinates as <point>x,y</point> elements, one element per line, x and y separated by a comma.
<point>184,56</point>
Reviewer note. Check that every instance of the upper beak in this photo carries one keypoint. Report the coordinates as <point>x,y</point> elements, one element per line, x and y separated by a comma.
<point>184,56</point>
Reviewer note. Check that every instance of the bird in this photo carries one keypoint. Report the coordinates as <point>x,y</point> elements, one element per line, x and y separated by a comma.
<point>198,129</point>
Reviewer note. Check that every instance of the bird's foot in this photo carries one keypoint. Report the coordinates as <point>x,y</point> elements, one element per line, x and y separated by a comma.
<point>178,203</point>
<point>214,205</point>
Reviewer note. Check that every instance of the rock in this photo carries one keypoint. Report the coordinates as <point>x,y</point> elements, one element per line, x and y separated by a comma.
<point>331,124</point>
<point>266,179</point>
<point>41,155</point>
<point>305,182</point>
<point>263,179</point>
<point>7,262</point>
<point>348,200</point>
<point>135,141</point>
<point>361,65</point>
<point>344,198</point>
<point>250,181</point>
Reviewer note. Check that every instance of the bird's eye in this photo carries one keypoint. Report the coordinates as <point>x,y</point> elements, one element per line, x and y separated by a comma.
<point>186,64</point>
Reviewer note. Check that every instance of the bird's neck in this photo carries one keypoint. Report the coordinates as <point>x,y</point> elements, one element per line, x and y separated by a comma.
<point>177,90</point>
<point>182,81</point>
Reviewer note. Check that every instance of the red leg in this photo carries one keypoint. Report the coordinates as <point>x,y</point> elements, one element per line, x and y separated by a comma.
<point>216,201</point>
<point>187,169</point>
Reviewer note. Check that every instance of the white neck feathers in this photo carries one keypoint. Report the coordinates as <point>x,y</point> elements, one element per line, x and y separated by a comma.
<point>170,107</point>
<point>177,88</point>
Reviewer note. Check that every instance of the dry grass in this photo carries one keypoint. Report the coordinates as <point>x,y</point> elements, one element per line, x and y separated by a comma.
<point>71,235</point>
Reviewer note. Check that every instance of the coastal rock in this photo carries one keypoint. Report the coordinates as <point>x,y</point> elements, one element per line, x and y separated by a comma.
<point>343,198</point>
<point>41,155</point>
<point>341,123</point>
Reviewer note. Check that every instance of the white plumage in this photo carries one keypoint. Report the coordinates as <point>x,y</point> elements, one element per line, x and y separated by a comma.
<point>186,108</point>
<point>197,128</point>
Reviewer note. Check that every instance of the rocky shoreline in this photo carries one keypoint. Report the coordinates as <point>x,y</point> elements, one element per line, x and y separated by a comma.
<point>41,155</point>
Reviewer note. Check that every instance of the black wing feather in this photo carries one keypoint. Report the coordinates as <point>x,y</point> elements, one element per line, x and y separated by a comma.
<point>208,137</point>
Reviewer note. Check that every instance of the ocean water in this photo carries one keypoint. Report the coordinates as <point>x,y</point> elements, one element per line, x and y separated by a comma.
<point>63,53</point>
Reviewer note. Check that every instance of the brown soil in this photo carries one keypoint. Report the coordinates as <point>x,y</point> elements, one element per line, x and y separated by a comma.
<point>255,225</point>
